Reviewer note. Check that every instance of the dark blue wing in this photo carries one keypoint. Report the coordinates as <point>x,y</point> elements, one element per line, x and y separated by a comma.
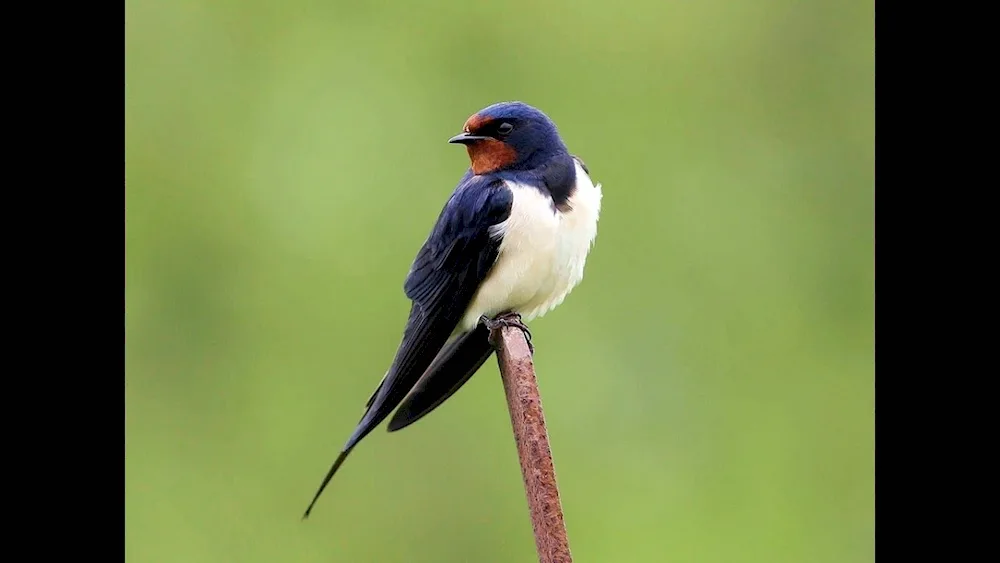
<point>460,360</point>
<point>442,281</point>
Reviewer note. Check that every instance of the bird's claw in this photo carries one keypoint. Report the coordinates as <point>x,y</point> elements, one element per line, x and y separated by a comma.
<point>512,320</point>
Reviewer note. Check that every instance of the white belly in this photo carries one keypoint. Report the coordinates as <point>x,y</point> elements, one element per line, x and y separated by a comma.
<point>542,254</point>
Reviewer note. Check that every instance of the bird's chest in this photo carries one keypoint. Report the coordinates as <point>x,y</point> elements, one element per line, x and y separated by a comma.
<point>542,253</point>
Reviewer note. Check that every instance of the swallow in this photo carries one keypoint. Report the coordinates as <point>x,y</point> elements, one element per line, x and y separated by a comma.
<point>509,246</point>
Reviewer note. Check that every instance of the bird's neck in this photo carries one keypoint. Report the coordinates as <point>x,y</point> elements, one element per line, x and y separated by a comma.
<point>555,174</point>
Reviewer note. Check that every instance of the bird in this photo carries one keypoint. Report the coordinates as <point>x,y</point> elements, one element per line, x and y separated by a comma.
<point>509,245</point>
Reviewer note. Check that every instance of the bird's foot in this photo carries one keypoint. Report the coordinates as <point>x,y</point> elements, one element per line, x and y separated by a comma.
<point>512,320</point>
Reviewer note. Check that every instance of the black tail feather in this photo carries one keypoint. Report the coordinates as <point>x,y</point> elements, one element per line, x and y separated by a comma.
<point>326,480</point>
<point>422,340</point>
<point>458,362</point>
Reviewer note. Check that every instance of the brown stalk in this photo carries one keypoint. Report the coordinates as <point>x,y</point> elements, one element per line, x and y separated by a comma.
<point>525,404</point>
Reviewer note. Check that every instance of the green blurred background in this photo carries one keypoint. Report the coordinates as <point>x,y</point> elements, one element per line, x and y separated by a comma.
<point>709,387</point>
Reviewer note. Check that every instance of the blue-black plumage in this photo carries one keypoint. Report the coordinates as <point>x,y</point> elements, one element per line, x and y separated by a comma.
<point>513,238</point>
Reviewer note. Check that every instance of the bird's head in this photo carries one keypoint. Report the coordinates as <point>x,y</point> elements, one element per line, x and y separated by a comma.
<point>509,136</point>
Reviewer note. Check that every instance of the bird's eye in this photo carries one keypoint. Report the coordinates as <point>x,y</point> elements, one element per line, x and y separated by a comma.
<point>505,128</point>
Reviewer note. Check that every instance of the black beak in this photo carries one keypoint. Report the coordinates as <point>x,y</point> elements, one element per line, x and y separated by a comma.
<point>466,138</point>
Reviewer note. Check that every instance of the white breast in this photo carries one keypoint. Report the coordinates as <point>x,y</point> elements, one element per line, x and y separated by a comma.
<point>542,254</point>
